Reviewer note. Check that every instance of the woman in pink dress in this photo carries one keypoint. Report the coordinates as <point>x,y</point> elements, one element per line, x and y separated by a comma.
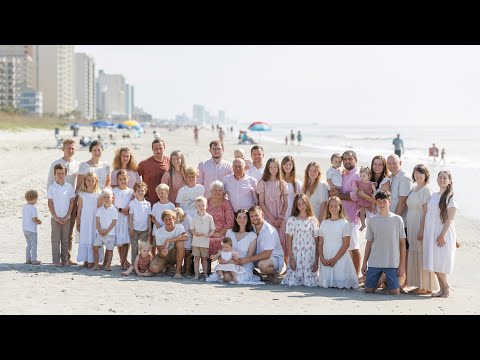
<point>175,176</point>
<point>222,212</point>
<point>273,197</point>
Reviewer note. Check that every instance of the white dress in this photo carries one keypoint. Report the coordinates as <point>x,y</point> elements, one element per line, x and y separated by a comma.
<point>227,256</point>
<point>122,199</point>
<point>418,277</point>
<point>435,258</point>
<point>102,171</point>
<point>88,228</point>
<point>342,274</point>
<point>241,247</point>
<point>303,234</point>
<point>319,196</point>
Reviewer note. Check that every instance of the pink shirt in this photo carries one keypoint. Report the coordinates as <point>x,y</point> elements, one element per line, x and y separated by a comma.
<point>209,171</point>
<point>242,193</point>
<point>349,187</point>
<point>175,185</point>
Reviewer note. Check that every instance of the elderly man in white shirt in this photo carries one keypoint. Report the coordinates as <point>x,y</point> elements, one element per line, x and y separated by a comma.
<point>241,188</point>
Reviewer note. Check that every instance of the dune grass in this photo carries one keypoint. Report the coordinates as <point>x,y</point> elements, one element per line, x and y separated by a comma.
<point>18,122</point>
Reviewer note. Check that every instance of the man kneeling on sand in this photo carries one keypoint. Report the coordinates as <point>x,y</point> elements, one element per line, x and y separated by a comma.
<point>169,239</point>
<point>269,254</point>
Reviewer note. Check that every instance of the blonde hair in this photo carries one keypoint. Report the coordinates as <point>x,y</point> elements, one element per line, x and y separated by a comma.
<point>83,186</point>
<point>161,187</point>
<point>309,188</point>
<point>143,245</point>
<point>140,184</point>
<point>341,214</point>
<point>181,215</point>
<point>67,142</point>
<point>191,171</point>
<point>172,213</point>
<point>239,151</point>
<point>200,199</point>
<point>117,160</point>
<point>107,191</point>
<point>31,195</point>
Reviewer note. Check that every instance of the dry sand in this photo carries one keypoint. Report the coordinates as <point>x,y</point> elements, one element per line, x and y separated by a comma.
<point>44,289</point>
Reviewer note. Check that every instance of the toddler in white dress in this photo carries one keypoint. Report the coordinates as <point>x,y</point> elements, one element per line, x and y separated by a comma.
<point>227,254</point>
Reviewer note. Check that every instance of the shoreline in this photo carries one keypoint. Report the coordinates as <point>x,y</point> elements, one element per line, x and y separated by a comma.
<point>44,289</point>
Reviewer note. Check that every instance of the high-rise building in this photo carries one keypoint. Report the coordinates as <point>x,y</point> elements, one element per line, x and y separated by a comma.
<point>198,114</point>
<point>31,100</point>
<point>85,85</point>
<point>129,99</point>
<point>56,67</point>
<point>111,95</point>
<point>221,116</point>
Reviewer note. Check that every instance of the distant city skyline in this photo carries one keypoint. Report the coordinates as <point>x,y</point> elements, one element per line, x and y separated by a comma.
<point>371,85</point>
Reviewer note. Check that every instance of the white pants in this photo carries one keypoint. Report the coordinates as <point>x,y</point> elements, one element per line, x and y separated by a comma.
<point>355,236</point>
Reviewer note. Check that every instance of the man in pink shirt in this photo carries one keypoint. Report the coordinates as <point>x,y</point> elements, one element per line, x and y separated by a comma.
<point>349,201</point>
<point>213,169</point>
<point>241,188</point>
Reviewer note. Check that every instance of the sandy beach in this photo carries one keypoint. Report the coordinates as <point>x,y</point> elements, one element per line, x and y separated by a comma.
<point>44,289</point>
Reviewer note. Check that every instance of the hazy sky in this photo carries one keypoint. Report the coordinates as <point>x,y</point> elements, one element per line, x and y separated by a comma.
<point>385,85</point>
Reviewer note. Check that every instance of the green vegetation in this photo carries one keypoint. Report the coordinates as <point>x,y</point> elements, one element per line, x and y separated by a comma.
<point>13,119</point>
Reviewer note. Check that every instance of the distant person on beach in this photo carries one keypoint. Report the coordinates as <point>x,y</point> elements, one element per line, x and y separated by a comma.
<point>292,137</point>
<point>156,135</point>
<point>286,140</point>
<point>195,132</point>
<point>30,221</point>
<point>443,156</point>
<point>398,143</point>
<point>299,137</point>
<point>334,175</point>
<point>439,236</point>
<point>61,200</point>
<point>257,167</point>
<point>221,135</point>
<point>433,151</point>
<point>214,168</point>
<point>72,167</point>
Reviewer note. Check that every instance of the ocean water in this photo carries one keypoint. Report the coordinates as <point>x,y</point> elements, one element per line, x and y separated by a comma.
<point>462,148</point>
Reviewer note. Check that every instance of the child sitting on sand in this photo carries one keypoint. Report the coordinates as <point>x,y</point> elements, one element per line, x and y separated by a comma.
<point>141,265</point>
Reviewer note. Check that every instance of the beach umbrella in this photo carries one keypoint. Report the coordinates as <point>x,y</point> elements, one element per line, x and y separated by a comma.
<point>102,124</point>
<point>260,126</point>
<point>122,126</point>
<point>131,123</point>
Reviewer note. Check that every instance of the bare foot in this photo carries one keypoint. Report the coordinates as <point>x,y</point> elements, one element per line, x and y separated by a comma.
<point>95,267</point>
<point>124,273</point>
<point>178,276</point>
<point>107,268</point>
<point>195,277</point>
<point>275,278</point>
<point>57,265</point>
<point>362,227</point>
<point>127,264</point>
<point>437,294</point>
<point>36,262</point>
<point>420,292</point>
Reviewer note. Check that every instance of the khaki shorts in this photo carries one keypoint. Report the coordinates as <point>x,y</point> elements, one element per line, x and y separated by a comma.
<point>108,241</point>
<point>170,259</point>
<point>200,251</point>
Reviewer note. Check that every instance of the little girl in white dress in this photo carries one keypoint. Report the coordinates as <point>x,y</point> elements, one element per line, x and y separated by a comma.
<point>227,254</point>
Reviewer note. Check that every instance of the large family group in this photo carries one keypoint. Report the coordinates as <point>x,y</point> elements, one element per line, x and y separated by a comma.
<point>255,219</point>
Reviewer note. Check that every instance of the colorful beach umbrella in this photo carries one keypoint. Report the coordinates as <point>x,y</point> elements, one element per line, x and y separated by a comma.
<point>260,126</point>
<point>131,123</point>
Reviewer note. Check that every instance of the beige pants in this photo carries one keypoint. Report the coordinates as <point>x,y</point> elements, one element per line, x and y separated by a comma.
<point>60,241</point>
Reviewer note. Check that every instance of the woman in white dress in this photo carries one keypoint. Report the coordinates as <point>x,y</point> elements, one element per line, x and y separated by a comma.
<point>439,236</point>
<point>424,281</point>
<point>316,191</point>
<point>294,187</point>
<point>101,168</point>
<point>88,202</point>
<point>336,265</point>
<point>244,242</point>
<point>302,228</point>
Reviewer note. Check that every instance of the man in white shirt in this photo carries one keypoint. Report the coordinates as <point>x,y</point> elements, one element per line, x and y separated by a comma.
<point>241,188</point>
<point>72,168</point>
<point>257,167</point>
<point>269,254</point>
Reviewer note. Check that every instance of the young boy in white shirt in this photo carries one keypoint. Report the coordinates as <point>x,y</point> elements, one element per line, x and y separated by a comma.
<point>158,208</point>
<point>30,221</point>
<point>61,198</point>
<point>202,228</point>
<point>107,216</point>
<point>140,222</point>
